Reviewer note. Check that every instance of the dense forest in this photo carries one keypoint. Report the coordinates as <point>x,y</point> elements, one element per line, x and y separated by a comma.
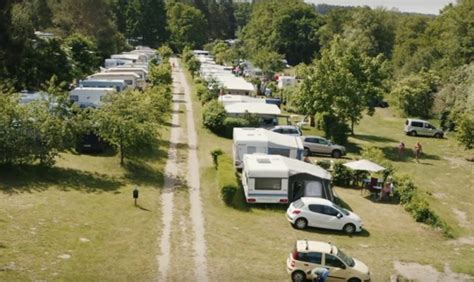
<point>422,64</point>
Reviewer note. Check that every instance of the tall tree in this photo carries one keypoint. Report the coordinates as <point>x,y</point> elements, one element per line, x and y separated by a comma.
<point>187,26</point>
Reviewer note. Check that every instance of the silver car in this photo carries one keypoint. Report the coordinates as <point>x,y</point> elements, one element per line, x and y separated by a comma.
<point>319,145</point>
<point>416,127</point>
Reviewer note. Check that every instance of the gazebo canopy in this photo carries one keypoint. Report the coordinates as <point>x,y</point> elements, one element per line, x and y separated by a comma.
<point>364,165</point>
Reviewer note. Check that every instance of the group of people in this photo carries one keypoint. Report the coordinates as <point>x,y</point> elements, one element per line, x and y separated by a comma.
<point>418,151</point>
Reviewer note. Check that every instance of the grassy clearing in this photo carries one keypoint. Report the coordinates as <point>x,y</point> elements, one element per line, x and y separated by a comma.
<point>257,241</point>
<point>77,220</point>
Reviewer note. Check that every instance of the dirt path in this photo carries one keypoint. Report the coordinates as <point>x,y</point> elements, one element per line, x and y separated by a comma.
<point>193,181</point>
<point>167,195</point>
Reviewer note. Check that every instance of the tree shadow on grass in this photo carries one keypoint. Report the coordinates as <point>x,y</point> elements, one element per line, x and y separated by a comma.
<point>391,153</point>
<point>141,173</point>
<point>353,148</point>
<point>158,150</point>
<point>34,178</point>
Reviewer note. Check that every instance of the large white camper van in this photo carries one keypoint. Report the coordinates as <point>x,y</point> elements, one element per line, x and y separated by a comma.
<point>278,179</point>
<point>259,140</point>
<point>89,97</point>
<point>131,79</point>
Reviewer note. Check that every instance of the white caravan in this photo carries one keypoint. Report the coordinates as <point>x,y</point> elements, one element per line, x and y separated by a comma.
<point>259,140</point>
<point>281,180</point>
<point>131,79</point>
<point>89,97</point>
<point>143,73</point>
<point>118,84</point>
<point>131,57</point>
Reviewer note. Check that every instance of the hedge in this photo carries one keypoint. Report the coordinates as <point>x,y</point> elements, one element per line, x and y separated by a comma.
<point>226,178</point>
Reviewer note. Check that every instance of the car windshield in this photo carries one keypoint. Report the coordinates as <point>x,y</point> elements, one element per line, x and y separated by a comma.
<point>347,259</point>
<point>343,210</point>
<point>298,204</point>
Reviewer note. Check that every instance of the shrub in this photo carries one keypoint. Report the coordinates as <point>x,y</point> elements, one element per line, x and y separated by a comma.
<point>324,164</point>
<point>213,116</point>
<point>226,178</point>
<point>200,90</point>
<point>232,122</point>
<point>342,176</point>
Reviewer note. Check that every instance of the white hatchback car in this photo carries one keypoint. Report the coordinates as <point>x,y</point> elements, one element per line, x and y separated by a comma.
<point>322,213</point>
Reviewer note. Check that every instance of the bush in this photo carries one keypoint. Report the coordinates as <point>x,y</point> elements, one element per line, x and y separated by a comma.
<point>213,116</point>
<point>226,178</point>
<point>342,176</point>
<point>200,90</point>
<point>230,123</point>
<point>334,129</point>
<point>324,164</point>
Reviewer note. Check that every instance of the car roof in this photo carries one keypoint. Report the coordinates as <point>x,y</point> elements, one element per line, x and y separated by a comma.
<point>315,246</point>
<point>417,120</point>
<point>315,200</point>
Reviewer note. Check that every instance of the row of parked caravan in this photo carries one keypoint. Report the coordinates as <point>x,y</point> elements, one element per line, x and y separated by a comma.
<point>128,70</point>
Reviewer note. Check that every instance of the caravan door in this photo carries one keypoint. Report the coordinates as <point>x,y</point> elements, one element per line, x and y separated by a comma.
<point>313,189</point>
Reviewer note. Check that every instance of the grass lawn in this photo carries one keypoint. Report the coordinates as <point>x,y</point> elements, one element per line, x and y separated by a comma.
<point>253,244</point>
<point>77,221</point>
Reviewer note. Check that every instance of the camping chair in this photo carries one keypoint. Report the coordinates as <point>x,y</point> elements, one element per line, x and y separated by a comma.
<point>373,188</point>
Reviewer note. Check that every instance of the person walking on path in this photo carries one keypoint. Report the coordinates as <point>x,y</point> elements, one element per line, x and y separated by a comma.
<point>418,151</point>
<point>401,150</point>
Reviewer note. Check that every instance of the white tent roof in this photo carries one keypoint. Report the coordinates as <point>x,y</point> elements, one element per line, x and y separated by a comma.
<point>364,165</point>
<point>260,165</point>
<point>253,108</point>
<point>232,99</point>
<point>253,135</point>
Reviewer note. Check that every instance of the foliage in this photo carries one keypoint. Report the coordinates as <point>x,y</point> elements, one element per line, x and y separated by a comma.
<point>242,13</point>
<point>226,178</point>
<point>376,155</point>
<point>465,130</point>
<point>288,27</point>
<point>326,164</point>
<point>342,84</point>
<point>341,175</point>
<point>187,26</point>
<point>211,92</point>
<point>248,120</point>
<point>333,127</point>
<point>213,116</point>
<point>193,65</point>
<point>201,90</point>
<point>415,94</point>
<point>268,61</point>
<point>146,21</point>
<point>165,52</point>
<point>160,74</point>
<point>128,121</point>
<point>82,53</point>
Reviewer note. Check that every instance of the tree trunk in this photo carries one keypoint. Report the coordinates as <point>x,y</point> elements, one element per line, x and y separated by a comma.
<point>312,121</point>
<point>352,127</point>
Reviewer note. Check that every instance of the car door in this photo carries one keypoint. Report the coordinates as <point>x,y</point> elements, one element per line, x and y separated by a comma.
<point>324,145</point>
<point>311,143</point>
<point>428,129</point>
<point>331,221</point>
<point>310,260</point>
<point>337,269</point>
<point>315,216</point>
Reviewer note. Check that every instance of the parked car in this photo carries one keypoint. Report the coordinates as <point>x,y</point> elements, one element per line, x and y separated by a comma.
<point>307,255</point>
<point>420,127</point>
<point>322,213</point>
<point>287,129</point>
<point>319,145</point>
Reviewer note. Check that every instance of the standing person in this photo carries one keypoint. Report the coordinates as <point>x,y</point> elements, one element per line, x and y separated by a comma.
<point>307,159</point>
<point>401,150</point>
<point>418,151</point>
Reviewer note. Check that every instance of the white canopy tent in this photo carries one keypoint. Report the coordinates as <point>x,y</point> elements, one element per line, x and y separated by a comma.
<point>365,165</point>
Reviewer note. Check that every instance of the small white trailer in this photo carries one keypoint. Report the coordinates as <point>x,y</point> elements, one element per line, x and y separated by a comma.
<point>118,84</point>
<point>281,180</point>
<point>259,140</point>
<point>89,97</point>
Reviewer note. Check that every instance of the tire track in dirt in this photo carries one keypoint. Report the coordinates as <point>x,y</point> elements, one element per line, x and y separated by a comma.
<point>167,194</point>
<point>194,186</point>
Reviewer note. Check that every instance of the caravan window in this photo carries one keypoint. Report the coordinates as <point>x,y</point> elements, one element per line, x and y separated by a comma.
<point>313,189</point>
<point>128,82</point>
<point>267,184</point>
<point>279,151</point>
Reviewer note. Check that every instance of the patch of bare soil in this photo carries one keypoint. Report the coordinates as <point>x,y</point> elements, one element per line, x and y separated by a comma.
<point>461,216</point>
<point>426,273</point>
<point>462,241</point>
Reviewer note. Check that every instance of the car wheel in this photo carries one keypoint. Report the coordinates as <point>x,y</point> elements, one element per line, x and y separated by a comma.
<point>349,228</point>
<point>438,135</point>
<point>307,152</point>
<point>336,154</point>
<point>301,223</point>
<point>298,276</point>
<point>413,133</point>
<point>354,280</point>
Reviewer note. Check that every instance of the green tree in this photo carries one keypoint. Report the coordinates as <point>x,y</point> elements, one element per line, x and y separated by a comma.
<point>269,61</point>
<point>415,93</point>
<point>193,65</point>
<point>342,84</point>
<point>187,26</point>
<point>289,27</point>
<point>146,21</point>
<point>128,122</point>
<point>82,53</point>
<point>160,74</point>
<point>165,52</point>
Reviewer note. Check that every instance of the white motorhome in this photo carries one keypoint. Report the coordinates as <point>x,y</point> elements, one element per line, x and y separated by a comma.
<point>143,73</point>
<point>131,57</point>
<point>281,180</point>
<point>262,141</point>
<point>131,79</point>
<point>89,97</point>
<point>118,84</point>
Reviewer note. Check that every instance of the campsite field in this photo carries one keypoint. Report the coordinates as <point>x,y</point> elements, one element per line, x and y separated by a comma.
<point>252,243</point>
<point>77,220</point>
